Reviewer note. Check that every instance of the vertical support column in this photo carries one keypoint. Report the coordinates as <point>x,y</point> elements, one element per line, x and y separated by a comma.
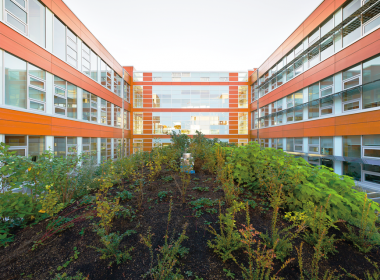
<point>112,148</point>
<point>305,100</point>
<point>49,30</point>
<point>79,52</point>
<point>112,115</point>
<point>2,138</point>
<point>122,115</point>
<point>338,80</point>
<point>99,71</point>
<point>79,145</point>
<point>1,72</point>
<point>99,150</point>
<point>99,101</point>
<point>338,151</point>
<point>305,144</point>
<point>80,103</point>
<point>49,93</point>
<point>49,143</point>
<point>1,7</point>
<point>284,144</point>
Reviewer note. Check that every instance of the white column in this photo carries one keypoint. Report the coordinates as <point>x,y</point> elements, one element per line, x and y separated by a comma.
<point>305,144</point>
<point>2,138</point>
<point>49,93</point>
<point>338,151</point>
<point>79,52</point>
<point>49,143</point>
<point>99,109</point>
<point>1,7</point>
<point>112,77</point>
<point>112,145</point>
<point>80,103</point>
<point>270,142</point>
<point>337,17</point>
<point>284,144</point>
<point>79,146</point>
<point>99,150</point>
<point>305,100</point>
<point>1,72</point>
<point>112,115</point>
<point>338,80</point>
<point>49,30</point>
<point>99,71</point>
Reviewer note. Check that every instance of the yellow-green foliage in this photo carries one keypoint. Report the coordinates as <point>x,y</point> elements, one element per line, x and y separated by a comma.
<point>50,202</point>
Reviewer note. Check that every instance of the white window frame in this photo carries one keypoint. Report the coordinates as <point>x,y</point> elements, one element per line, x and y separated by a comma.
<point>68,39</point>
<point>60,96</point>
<point>314,146</point>
<point>29,85</point>
<point>353,78</point>
<point>297,145</point>
<point>364,172</point>
<point>17,148</point>
<point>326,107</point>
<point>26,10</point>
<point>364,148</point>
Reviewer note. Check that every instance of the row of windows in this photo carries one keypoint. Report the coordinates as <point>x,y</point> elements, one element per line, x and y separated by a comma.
<point>34,146</point>
<point>26,87</point>
<point>190,77</point>
<point>140,144</point>
<point>189,123</point>
<point>365,147</point>
<point>359,26</point>
<point>29,18</point>
<point>321,97</point>
<point>190,96</point>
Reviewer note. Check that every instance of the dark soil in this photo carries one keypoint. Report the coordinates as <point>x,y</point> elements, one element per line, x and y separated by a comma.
<point>18,261</point>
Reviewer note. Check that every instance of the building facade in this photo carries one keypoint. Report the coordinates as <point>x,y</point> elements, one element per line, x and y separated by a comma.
<point>317,96</point>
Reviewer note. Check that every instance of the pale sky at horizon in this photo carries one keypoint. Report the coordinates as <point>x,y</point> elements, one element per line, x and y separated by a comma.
<point>197,35</point>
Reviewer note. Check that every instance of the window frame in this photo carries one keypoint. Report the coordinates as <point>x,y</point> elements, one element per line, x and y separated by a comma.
<point>29,85</point>
<point>364,148</point>
<point>26,10</point>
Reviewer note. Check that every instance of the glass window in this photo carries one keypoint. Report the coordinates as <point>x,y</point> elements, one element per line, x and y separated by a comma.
<point>298,66</point>
<point>314,145</point>
<point>351,32</point>
<point>138,123</point>
<point>36,145</point>
<point>117,84</point>
<point>350,8</point>
<point>290,73</point>
<point>36,87</point>
<point>327,48</point>
<point>353,170</point>
<point>352,72</point>
<point>371,70</point>
<point>94,66</point>
<point>243,97</point>
<point>59,146</point>
<point>314,37</point>
<point>298,145</point>
<point>313,109</point>
<point>327,146</point>
<point>327,86</point>
<point>37,19</point>
<point>16,14</point>
<point>371,146</point>
<point>17,144</point>
<point>289,144</point>
<point>314,92</point>
<point>371,20</point>
<point>290,101</point>
<point>103,73</point>
<point>327,105</point>
<point>313,57</point>
<point>117,116</point>
<point>371,173</point>
<point>327,26</point>
<point>59,39</point>
<point>290,115</point>
<point>138,98</point>
<point>15,81</point>
<point>65,98</point>
<point>351,99</point>
<point>352,146</point>
<point>298,49</point>
<point>371,95</point>
<point>298,97</point>
<point>298,113</point>
<point>280,78</point>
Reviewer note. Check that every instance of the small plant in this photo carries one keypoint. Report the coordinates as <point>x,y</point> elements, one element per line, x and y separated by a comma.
<point>201,189</point>
<point>50,202</point>
<point>167,179</point>
<point>229,273</point>
<point>261,259</point>
<point>320,224</point>
<point>280,240</point>
<point>77,276</point>
<point>168,254</point>
<point>368,236</point>
<point>203,204</point>
<point>111,243</point>
<point>123,195</point>
<point>162,195</point>
<point>228,240</point>
<point>75,257</point>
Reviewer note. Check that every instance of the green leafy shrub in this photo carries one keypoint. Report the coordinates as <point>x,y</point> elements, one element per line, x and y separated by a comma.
<point>228,240</point>
<point>111,243</point>
<point>302,183</point>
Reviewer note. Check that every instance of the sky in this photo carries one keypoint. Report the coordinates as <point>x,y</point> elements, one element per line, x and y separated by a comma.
<point>196,35</point>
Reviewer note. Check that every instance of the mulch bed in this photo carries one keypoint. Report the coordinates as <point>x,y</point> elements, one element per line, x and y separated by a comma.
<point>18,261</point>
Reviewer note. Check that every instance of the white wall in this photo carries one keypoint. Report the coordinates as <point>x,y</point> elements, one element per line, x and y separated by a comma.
<point>2,138</point>
<point>79,52</point>
<point>79,145</point>
<point>49,93</point>
<point>1,7</point>
<point>49,143</point>
<point>80,103</point>
<point>337,88</point>
<point>1,76</point>
<point>99,149</point>
<point>338,151</point>
<point>49,30</point>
